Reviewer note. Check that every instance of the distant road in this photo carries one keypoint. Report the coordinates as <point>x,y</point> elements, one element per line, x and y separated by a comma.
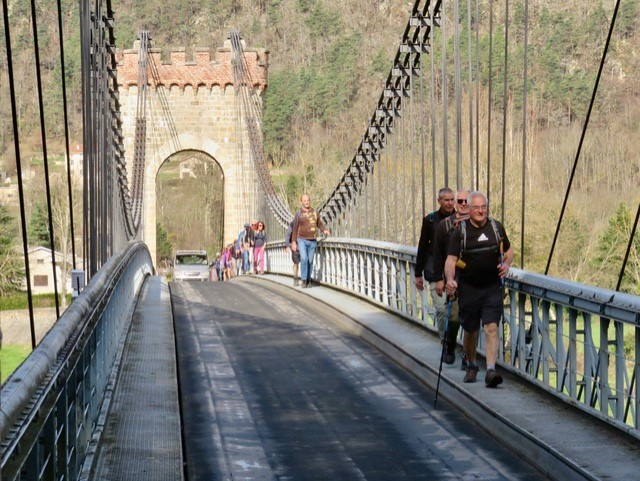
<point>272,388</point>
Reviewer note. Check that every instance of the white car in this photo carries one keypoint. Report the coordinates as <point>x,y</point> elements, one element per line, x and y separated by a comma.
<point>191,265</point>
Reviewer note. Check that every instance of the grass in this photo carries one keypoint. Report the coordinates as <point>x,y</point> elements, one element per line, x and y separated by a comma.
<point>10,359</point>
<point>18,300</point>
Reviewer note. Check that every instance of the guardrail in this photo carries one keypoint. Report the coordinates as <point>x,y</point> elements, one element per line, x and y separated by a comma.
<point>577,342</point>
<point>52,405</point>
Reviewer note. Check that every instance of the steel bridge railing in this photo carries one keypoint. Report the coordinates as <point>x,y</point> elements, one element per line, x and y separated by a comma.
<point>54,404</point>
<point>580,343</point>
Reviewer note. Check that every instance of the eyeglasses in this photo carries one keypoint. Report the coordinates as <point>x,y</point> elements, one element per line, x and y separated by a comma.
<point>478,207</point>
<point>462,201</point>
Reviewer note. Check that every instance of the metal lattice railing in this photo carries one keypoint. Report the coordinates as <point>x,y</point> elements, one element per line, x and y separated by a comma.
<point>52,402</point>
<point>577,342</point>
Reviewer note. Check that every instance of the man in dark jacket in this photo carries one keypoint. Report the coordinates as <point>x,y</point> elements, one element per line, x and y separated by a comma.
<point>425,262</point>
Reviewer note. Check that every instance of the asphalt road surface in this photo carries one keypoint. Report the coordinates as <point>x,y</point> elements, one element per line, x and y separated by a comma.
<point>273,389</point>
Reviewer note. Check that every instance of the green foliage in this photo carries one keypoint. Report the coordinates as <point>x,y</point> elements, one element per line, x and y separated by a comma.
<point>293,186</point>
<point>281,101</point>
<point>333,87</point>
<point>305,5</point>
<point>323,23</point>
<point>11,268</point>
<point>558,83</point>
<point>38,229</point>
<point>381,63</point>
<point>164,248</point>
<point>611,250</point>
<point>10,358</point>
<point>595,28</point>
<point>627,22</point>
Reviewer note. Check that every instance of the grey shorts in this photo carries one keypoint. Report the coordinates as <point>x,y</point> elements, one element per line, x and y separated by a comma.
<point>295,257</point>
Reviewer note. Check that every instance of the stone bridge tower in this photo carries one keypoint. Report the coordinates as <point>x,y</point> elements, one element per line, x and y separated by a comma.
<point>191,105</point>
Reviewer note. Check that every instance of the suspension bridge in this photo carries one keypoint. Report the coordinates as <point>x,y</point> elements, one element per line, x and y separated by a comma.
<point>250,379</point>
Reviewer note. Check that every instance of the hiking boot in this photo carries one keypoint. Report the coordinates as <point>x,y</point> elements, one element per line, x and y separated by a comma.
<point>449,354</point>
<point>471,374</point>
<point>492,379</point>
<point>296,281</point>
<point>464,364</point>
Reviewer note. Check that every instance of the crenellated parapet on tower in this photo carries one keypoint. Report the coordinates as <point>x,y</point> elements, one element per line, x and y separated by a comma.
<point>199,71</point>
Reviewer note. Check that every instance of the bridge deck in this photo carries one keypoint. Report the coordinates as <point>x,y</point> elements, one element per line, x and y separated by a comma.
<point>563,442</point>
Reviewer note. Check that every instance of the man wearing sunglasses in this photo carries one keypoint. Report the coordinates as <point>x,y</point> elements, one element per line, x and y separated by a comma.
<point>478,258</point>
<point>441,240</point>
<point>425,261</point>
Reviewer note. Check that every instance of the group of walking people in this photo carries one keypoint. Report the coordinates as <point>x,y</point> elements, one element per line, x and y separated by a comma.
<point>246,255</point>
<point>464,256</point>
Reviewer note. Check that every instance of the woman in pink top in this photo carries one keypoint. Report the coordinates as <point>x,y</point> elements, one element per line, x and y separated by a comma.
<point>260,241</point>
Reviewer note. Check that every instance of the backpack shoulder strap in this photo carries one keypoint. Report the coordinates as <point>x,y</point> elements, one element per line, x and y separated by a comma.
<point>448,224</point>
<point>463,236</point>
<point>495,230</point>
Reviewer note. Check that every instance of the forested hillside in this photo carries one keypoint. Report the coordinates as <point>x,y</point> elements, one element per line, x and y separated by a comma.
<point>328,63</point>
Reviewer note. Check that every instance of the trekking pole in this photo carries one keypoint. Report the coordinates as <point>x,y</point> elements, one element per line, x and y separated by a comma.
<point>444,346</point>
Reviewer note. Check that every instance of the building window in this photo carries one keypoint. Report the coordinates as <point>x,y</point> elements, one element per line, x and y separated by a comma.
<point>41,281</point>
<point>40,261</point>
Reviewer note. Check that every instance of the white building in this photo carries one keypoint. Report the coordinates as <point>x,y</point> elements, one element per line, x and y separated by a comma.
<point>41,273</point>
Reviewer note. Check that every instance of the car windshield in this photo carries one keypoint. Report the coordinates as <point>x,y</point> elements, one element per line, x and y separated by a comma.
<point>191,259</point>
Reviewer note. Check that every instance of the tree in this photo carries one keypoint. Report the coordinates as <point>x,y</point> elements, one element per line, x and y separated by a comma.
<point>38,229</point>
<point>164,247</point>
<point>611,249</point>
<point>11,268</point>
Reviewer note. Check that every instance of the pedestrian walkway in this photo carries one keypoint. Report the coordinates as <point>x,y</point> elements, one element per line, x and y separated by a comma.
<point>141,438</point>
<point>562,441</point>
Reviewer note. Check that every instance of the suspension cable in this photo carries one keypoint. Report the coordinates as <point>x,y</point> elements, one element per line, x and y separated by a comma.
<point>489,100</point>
<point>445,101</point>
<point>423,185</point>
<point>476,185</point>
<point>504,110</point>
<point>458,93</point>
<point>524,130</point>
<point>433,119</point>
<point>16,146</point>
<point>253,120</point>
<point>66,133</point>
<point>43,133</point>
<point>140,136</point>
<point>583,134</point>
<point>470,95</point>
